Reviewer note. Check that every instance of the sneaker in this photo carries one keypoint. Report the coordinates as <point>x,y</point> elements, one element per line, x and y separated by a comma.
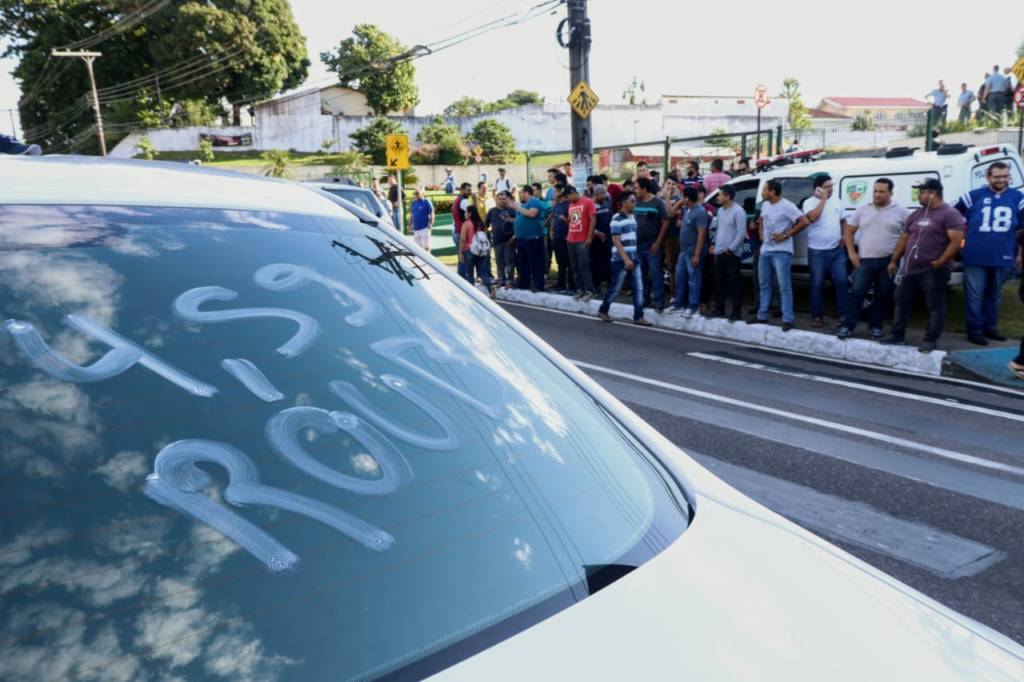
<point>604,317</point>
<point>843,333</point>
<point>687,313</point>
<point>977,339</point>
<point>926,346</point>
<point>643,322</point>
<point>587,297</point>
<point>494,292</point>
<point>892,340</point>
<point>577,296</point>
<point>876,333</point>
<point>817,322</point>
<point>786,326</point>
<point>1017,369</point>
<point>995,335</point>
<point>677,309</point>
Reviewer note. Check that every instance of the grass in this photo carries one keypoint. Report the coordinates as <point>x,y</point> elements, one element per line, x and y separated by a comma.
<point>252,158</point>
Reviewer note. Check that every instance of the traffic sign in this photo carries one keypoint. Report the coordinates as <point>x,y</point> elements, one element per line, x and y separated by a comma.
<point>1018,96</point>
<point>478,151</point>
<point>583,99</point>
<point>1018,70</point>
<point>478,158</point>
<point>397,147</point>
<point>761,96</point>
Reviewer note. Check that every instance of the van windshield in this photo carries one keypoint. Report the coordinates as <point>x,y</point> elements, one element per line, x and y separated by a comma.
<point>260,446</point>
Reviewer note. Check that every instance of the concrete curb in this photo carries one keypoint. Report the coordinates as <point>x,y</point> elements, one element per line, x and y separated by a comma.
<point>861,351</point>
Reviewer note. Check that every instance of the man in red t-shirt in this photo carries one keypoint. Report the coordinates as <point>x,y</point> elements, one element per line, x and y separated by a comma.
<point>582,220</point>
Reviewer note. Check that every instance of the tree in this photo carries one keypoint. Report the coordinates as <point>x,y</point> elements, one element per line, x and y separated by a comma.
<point>516,98</point>
<point>799,119</point>
<point>443,142</point>
<point>863,121</point>
<point>720,138</point>
<point>207,51</point>
<point>496,139</point>
<point>465,107</point>
<point>365,62</point>
<point>348,164</point>
<point>146,149</point>
<point>206,151</point>
<point>277,163</point>
<point>634,93</point>
<point>370,140</point>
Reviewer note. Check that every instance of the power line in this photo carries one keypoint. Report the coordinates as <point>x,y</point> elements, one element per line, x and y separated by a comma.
<point>120,26</point>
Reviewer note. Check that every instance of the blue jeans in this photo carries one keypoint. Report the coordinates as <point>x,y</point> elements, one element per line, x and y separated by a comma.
<point>688,281</point>
<point>775,265</point>
<point>983,285</point>
<point>530,262</point>
<point>457,238</point>
<point>873,272</point>
<point>478,266</point>
<point>619,275</point>
<point>831,262</point>
<point>650,270</point>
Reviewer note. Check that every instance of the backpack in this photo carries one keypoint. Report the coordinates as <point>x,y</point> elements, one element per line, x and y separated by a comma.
<point>481,244</point>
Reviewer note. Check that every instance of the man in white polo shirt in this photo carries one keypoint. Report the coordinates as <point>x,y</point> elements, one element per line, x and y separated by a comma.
<point>880,224</point>
<point>825,254</point>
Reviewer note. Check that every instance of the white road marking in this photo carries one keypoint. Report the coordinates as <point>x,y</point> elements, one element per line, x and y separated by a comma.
<point>946,554</point>
<point>945,402</point>
<point>732,342</point>
<point>823,423</point>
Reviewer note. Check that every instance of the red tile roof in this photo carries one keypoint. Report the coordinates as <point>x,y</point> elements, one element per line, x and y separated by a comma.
<point>821,113</point>
<point>878,102</point>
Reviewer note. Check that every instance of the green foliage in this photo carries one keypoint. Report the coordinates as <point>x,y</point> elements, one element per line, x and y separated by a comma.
<point>326,145</point>
<point>496,139</point>
<point>206,151</point>
<point>634,93</point>
<point>442,144</point>
<point>370,140</point>
<point>799,119</point>
<point>720,138</point>
<point>277,163</point>
<point>238,49</point>
<point>465,106</point>
<point>145,148</point>
<point>863,121</point>
<point>349,163</point>
<point>363,62</point>
<point>409,178</point>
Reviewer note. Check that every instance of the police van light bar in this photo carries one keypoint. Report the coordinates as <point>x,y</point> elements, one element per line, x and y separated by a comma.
<point>991,150</point>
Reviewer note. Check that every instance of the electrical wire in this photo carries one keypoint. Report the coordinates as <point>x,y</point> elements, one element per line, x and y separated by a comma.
<point>120,26</point>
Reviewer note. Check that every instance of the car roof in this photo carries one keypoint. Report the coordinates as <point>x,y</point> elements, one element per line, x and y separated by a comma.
<point>97,181</point>
<point>871,165</point>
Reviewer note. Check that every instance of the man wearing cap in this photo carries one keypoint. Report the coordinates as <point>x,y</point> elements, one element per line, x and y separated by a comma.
<point>995,214</point>
<point>928,247</point>
<point>503,183</point>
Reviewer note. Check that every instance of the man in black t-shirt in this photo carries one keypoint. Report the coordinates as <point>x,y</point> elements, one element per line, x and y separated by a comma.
<point>652,225</point>
<point>500,220</point>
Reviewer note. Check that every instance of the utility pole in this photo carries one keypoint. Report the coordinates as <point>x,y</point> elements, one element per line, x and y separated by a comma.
<point>579,70</point>
<point>88,58</point>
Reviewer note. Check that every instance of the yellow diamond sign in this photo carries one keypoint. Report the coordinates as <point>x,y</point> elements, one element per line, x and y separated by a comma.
<point>478,151</point>
<point>397,147</point>
<point>583,99</point>
<point>1018,70</point>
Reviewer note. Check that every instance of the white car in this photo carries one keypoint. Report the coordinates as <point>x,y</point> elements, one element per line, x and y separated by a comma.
<point>248,437</point>
<point>360,196</point>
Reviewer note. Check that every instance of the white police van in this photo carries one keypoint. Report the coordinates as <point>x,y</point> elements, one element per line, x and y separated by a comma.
<point>960,168</point>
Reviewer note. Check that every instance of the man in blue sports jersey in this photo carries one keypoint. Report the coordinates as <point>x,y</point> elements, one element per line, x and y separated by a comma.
<point>994,215</point>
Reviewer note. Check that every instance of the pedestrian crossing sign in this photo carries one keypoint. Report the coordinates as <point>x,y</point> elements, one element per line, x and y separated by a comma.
<point>1018,70</point>
<point>397,148</point>
<point>583,99</point>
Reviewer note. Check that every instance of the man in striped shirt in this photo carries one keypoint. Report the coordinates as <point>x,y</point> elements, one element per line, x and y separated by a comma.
<point>624,254</point>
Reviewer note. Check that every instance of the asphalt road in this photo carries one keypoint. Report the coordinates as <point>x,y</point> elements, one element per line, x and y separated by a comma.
<point>921,477</point>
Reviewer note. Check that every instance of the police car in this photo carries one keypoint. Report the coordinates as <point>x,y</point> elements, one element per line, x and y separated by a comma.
<point>960,169</point>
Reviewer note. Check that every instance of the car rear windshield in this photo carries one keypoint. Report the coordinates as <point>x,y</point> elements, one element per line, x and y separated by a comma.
<point>359,198</point>
<point>262,446</point>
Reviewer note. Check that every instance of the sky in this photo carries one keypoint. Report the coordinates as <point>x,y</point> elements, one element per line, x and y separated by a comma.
<point>863,48</point>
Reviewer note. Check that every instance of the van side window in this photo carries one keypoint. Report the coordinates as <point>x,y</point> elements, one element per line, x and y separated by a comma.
<point>797,189</point>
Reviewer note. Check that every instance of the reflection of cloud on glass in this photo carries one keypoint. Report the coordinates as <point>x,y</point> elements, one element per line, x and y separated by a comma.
<point>140,537</point>
<point>19,550</point>
<point>237,654</point>
<point>523,552</point>
<point>50,398</point>
<point>125,471</point>
<point>365,464</point>
<point>362,369</point>
<point>168,634</point>
<point>267,219</point>
<point>97,584</point>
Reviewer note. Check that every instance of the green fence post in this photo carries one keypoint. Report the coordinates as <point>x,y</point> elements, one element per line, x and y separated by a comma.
<point>929,122</point>
<point>668,153</point>
<point>778,140</point>
<point>528,176</point>
<point>743,146</point>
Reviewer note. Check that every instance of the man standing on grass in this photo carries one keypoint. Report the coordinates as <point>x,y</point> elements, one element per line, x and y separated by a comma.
<point>500,220</point>
<point>825,253</point>
<point>503,183</point>
<point>964,101</point>
<point>582,222</point>
<point>930,242</point>
<point>624,265</point>
<point>422,219</point>
<point>395,197</point>
<point>995,214</point>
<point>780,222</point>
<point>880,223</point>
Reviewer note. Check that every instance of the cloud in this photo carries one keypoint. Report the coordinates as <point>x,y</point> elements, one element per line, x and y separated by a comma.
<point>125,471</point>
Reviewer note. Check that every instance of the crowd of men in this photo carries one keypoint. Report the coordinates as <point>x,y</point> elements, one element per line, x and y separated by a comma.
<point>672,249</point>
<point>993,97</point>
